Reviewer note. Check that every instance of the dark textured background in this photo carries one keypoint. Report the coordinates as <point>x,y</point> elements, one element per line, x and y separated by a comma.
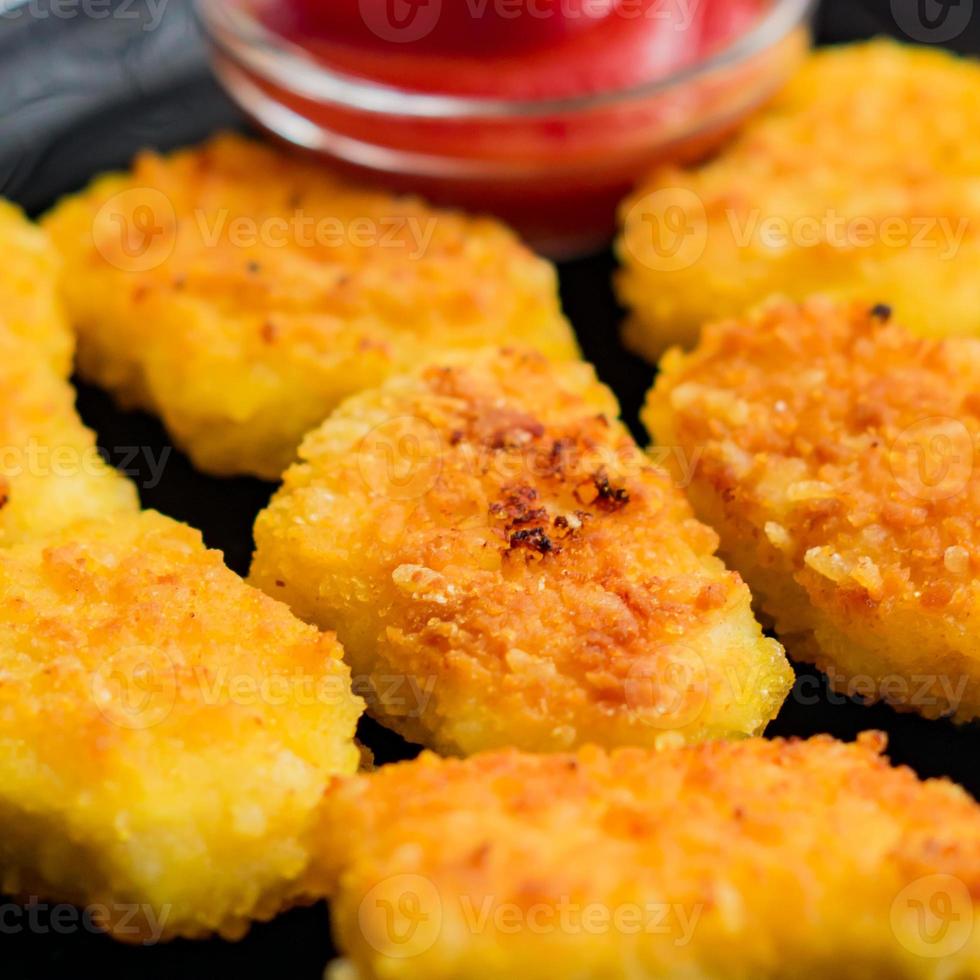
<point>78,95</point>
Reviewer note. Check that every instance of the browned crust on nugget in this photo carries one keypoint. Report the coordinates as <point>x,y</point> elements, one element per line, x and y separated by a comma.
<point>757,854</point>
<point>166,732</point>
<point>243,292</point>
<point>836,456</point>
<point>504,566</point>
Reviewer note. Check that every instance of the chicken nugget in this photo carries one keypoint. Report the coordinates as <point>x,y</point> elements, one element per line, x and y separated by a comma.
<point>837,459</point>
<point>51,472</point>
<point>30,306</point>
<point>746,860</point>
<point>242,293</point>
<point>505,567</point>
<point>166,732</point>
<point>856,183</point>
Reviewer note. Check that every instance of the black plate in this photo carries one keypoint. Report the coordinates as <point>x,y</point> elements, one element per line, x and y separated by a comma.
<point>82,93</point>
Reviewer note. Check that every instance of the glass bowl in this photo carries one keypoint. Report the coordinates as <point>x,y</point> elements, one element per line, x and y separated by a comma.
<point>554,168</point>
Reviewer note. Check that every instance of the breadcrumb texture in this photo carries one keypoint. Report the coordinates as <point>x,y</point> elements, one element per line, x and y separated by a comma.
<point>505,567</point>
<point>871,198</point>
<point>30,307</point>
<point>837,458</point>
<point>726,861</point>
<point>242,293</point>
<point>51,472</point>
<point>166,732</point>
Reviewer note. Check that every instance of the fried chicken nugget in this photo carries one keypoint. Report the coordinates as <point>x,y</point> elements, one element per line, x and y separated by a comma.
<point>870,198</point>
<point>166,732</point>
<point>242,293</point>
<point>51,472</point>
<point>837,458</point>
<point>504,567</point>
<point>726,861</point>
<point>30,306</point>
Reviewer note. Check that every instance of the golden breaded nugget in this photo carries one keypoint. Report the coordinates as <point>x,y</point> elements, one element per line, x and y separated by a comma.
<point>504,567</point>
<point>166,732</point>
<point>727,861</point>
<point>30,306</point>
<point>857,183</point>
<point>242,293</point>
<point>837,458</point>
<point>51,472</point>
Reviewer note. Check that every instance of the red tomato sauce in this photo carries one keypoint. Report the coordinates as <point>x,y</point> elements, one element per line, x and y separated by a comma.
<point>515,49</point>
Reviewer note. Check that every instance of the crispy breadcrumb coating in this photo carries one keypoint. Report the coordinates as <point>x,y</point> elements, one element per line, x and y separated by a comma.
<point>30,306</point>
<point>726,861</point>
<point>857,183</point>
<point>242,293</point>
<point>837,458</point>
<point>504,567</point>
<point>166,732</point>
<point>51,472</point>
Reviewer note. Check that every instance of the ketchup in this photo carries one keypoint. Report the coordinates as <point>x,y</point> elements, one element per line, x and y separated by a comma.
<point>450,28</point>
<point>513,49</point>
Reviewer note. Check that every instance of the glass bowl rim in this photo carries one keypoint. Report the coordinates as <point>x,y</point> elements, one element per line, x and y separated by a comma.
<point>242,38</point>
